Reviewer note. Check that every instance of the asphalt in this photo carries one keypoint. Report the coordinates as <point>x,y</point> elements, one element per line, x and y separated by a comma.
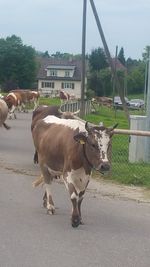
<point>115,231</point>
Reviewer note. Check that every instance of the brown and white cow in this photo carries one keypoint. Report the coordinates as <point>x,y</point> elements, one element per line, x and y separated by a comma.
<point>70,148</point>
<point>28,97</point>
<point>13,101</point>
<point>3,113</point>
<point>43,111</point>
<point>64,96</point>
<point>17,99</point>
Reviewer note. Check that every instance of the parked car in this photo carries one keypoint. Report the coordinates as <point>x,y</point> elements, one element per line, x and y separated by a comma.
<point>136,103</point>
<point>118,102</point>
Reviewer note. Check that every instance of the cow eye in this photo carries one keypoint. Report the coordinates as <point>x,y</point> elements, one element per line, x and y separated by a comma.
<point>94,146</point>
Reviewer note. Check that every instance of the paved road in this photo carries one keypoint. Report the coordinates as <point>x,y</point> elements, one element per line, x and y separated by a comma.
<point>116,233</point>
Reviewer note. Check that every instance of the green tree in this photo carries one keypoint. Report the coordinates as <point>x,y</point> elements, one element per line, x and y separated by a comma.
<point>121,56</point>
<point>17,64</point>
<point>99,76</point>
<point>131,63</point>
<point>66,56</point>
<point>100,82</point>
<point>106,84</point>
<point>97,59</point>
<point>46,54</point>
<point>135,79</point>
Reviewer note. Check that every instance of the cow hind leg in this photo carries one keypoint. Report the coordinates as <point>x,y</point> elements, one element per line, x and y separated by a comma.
<point>47,199</point>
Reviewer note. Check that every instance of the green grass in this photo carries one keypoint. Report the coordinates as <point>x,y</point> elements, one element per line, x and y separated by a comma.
<point>49,101</point>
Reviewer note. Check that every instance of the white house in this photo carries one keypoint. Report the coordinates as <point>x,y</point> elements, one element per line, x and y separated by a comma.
<point>59,74</point>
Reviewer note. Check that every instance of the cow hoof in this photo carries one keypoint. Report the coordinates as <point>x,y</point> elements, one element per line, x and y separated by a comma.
<point>75,222</point>
<point>36,161</point>
<point>50,212</point>
<point>81,222</point>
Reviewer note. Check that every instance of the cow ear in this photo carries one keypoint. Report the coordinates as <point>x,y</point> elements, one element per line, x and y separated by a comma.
<point>88,126</point>
<point>80,138</point>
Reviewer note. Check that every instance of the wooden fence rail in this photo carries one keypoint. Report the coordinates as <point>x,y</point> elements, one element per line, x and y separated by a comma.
<point>132,132</point>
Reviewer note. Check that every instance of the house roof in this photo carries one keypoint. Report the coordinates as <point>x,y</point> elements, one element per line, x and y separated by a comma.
<point>119,66</point>
<point>46,63</point>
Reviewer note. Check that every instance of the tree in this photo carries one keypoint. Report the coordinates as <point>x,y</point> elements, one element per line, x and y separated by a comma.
<point>17,64</point>
<point>46,54</point>
<point>121,56</point>
<point>99,77</point>
<point>100,82</point>
<point>135,79</point>
<point>97,59</point>
<point>131,63</point>
<point>66,56</point>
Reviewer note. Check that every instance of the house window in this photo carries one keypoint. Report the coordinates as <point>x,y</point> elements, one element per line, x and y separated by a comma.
<point>67,85</point>
<point>47,84</point>
<point>53,72</point>
<point>67,73</point>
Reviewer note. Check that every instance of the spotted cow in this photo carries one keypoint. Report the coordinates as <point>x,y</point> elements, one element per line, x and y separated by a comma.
<point>70,148</point>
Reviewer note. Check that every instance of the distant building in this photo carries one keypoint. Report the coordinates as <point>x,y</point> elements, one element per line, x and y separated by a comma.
<point>59,74</point>
<point>118,65</point>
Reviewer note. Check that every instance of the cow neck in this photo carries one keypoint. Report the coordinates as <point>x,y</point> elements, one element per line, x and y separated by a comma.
<point>85,156</point>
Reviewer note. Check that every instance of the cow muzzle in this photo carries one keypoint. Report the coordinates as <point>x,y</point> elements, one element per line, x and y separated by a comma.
<point>104,167</point>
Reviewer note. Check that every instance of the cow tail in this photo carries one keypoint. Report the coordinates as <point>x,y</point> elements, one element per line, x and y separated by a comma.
<point>38,181</point>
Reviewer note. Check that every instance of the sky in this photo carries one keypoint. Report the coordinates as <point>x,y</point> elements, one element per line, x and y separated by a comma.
<point>56,25</point>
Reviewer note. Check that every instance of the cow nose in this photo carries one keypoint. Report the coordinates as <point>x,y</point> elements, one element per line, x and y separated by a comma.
<point>104,167</point>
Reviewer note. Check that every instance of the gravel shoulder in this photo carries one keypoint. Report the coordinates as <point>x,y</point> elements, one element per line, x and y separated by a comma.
<point>108,189</point>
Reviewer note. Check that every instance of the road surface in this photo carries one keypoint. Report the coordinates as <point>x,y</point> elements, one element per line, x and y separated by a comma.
<point>116,232</point>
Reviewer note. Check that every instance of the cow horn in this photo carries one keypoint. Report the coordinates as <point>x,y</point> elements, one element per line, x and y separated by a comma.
<point>88,126</point>
<point>115,126</point>
<point>76,112</point>
<point>59,110</point>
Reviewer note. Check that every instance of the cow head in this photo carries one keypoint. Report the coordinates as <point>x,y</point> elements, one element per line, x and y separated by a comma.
<point>68,114</point>
<point>96,141</point>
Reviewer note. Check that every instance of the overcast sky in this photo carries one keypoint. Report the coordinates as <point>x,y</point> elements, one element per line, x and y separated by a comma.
<point>56,25</point>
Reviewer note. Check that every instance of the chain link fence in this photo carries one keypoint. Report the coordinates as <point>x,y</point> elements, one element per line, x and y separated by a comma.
<point>124,171</point>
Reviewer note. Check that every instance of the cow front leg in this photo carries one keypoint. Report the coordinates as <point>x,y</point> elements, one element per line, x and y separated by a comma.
<point>75,218</point>
<point>81,196</point>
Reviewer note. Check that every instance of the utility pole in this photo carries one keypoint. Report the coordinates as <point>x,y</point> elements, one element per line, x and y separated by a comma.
<point>148,88</point>
<point>114,78</point>
<point>147,145</point>
<point>118,85</point>
<point>82,108</point>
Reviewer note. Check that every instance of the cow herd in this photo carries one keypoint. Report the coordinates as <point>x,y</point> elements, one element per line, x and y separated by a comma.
<point>66,147</point>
